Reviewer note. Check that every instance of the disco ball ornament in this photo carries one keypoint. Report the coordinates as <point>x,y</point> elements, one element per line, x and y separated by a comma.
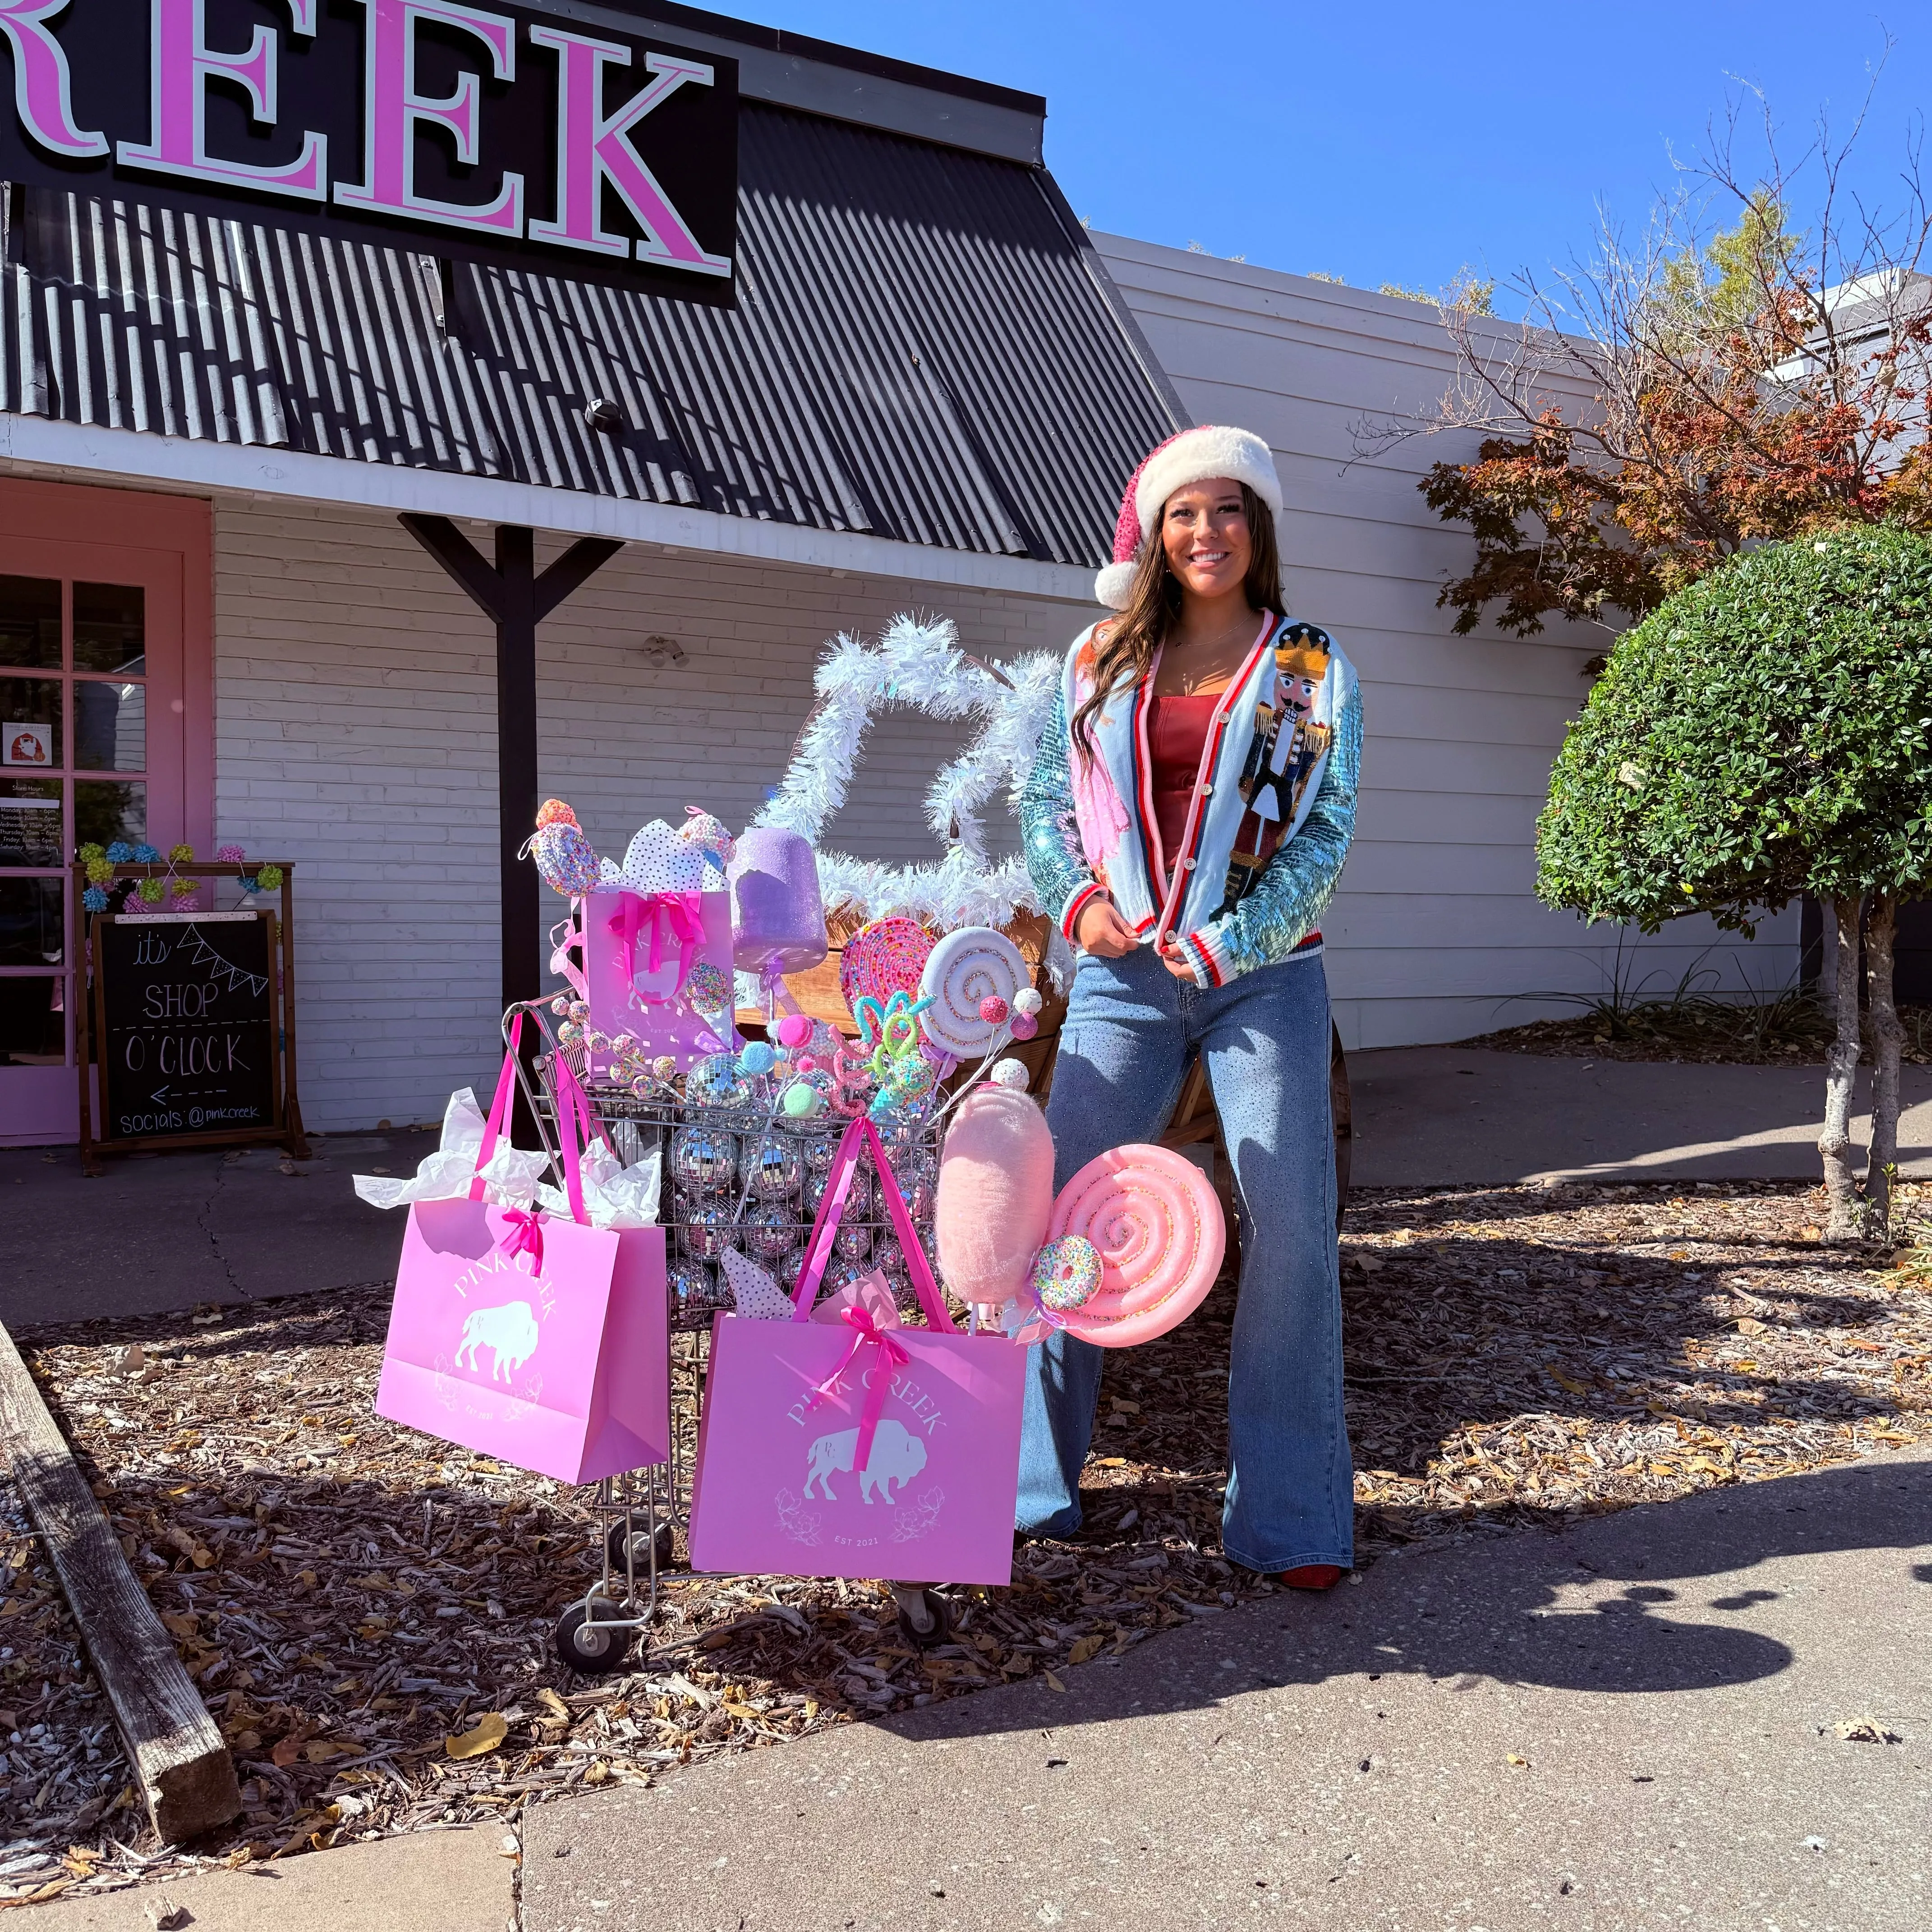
<point>772,1231</point>
<point>773,1167</point>
<point>703,1159</point>
<point>889,1258</point>
<point>694,1293</point>
<point>790,1267</point>
<point>858,1199</point>
<point>846,1274</point>
<point>715,1082</point>
<point>707,1231</point>
<point>853,1240</point>
<point>819,1154</point>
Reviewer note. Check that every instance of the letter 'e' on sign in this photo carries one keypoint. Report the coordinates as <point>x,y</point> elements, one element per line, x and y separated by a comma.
<point>504,135</point>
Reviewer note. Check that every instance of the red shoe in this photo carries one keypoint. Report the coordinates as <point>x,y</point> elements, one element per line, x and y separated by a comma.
<point>1312,1576</point>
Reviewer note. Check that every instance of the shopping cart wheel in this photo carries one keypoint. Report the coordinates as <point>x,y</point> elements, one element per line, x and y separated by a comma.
<point>592,1650</point>
<point>613,1544</point>
<point>939,1611</point>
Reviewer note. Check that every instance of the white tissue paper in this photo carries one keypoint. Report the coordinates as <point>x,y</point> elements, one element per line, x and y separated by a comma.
<point>614,1195</point>
<point>509,1176</point>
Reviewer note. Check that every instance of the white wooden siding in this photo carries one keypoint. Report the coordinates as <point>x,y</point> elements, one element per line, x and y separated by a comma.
<point>1436,933</point>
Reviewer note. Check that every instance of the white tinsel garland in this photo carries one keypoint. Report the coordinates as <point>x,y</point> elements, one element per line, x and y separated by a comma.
<point>921,665</point>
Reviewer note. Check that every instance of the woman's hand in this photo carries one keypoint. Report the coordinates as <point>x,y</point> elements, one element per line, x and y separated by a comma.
<point>1175,959</point>
<point>1102,932</point>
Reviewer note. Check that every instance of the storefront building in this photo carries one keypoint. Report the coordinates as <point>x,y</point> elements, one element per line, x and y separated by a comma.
<point>896,378</point>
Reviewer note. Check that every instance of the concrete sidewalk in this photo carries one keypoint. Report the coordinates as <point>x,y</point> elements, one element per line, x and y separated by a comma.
<point>1632,1725</point>
<point>164,1231</point>
<point>1444,1116</point>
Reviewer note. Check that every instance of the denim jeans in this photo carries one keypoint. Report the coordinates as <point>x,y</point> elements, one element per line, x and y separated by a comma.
<point>1131,1030</point>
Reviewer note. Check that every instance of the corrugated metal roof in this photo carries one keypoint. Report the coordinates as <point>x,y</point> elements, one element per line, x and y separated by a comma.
<point>924,348</point>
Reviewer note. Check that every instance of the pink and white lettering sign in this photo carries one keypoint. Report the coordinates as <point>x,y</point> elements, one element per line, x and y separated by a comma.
<point>501,133</point>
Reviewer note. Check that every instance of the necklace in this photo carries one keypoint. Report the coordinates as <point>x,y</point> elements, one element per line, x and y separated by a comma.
<point>1193,672</point>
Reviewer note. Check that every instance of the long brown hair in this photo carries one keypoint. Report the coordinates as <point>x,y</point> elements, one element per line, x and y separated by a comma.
<point>1124,646</point>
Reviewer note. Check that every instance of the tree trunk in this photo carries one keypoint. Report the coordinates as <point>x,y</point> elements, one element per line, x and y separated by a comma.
<point>1888,1038</point>
<point>1834,1144</point>
<point>1828,960</point>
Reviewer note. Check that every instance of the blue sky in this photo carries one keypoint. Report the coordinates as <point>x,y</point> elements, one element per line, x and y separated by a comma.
<point>1394,142</point>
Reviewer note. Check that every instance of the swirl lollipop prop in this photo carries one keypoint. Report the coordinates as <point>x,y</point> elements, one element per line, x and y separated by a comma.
<point>966,988</point>
<point>1156,1223</point>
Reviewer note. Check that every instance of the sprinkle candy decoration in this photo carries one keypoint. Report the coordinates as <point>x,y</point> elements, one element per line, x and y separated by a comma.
<point>885,957</point>
<point>969,983</point>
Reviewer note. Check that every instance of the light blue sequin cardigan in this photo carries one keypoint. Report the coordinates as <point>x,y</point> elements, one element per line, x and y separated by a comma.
<point>1276,919</point>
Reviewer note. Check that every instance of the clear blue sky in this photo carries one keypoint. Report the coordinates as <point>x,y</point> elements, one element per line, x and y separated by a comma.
<point>1388,141</point>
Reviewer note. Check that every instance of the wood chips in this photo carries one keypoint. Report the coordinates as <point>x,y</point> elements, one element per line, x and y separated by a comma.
<point>369,1612</point>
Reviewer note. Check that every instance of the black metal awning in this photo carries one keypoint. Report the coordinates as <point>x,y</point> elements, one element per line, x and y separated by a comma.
<point>925,348</point>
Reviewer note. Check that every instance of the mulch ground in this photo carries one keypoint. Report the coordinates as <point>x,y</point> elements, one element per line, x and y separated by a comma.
<point>1787,1032</point>
<point>369,1613</point>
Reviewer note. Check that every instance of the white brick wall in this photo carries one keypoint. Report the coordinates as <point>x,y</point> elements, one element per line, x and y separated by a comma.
<point>355,734</point>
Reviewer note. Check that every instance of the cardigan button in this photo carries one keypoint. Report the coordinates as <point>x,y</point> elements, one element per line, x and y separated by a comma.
<point>1187,865</point>
<point>1207,791</point>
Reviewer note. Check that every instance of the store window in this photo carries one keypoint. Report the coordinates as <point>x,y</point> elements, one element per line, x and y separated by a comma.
<point>94,717</point>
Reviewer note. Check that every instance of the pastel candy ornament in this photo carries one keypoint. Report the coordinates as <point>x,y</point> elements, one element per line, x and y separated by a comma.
<point>1067,1274</point>
<point>885,957</point>
<point>778,913</point>
<point>565,859</point>
<point>1156,1223</point>
<point>994,1195</point>
<point>970,974</point>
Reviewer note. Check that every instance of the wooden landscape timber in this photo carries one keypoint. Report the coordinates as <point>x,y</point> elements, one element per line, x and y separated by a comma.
<point>183,1767</point>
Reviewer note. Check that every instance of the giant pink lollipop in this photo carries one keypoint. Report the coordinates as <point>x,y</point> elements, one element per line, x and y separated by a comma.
<point>1157,1224</point>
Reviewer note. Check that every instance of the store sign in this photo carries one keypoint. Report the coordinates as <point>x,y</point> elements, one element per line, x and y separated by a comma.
<point>499,134</point>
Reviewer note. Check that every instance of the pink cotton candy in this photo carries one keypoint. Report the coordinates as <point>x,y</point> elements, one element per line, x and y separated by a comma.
<point>995,1194</point>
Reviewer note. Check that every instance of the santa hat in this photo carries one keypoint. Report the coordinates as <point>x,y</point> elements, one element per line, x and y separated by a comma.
<point>1191,456</point>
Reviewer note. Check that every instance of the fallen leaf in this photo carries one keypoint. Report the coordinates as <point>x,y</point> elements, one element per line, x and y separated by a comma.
<point>552,1703</point>
<point>1810,1234</point>
<point>1864,1731</point>
<point>286,1753</point>
<point>1085,1649</point>
<point>598,1773</point>
<point>1522,1763</point>
<point>485,1734</point>
<point>1052,1682</point>
<point>1749,1325</point>
<point>178,1625</point>
<point>323,1749</point>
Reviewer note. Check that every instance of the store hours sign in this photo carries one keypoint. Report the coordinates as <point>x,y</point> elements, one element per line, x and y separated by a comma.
<point>502,134</point>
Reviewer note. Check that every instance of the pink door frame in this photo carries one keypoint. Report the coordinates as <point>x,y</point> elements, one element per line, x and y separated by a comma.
<point>164,543</point>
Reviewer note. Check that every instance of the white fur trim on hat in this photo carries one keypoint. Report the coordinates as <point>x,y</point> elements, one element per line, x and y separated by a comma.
<point>1212,450</point>
<point>1115,584</point>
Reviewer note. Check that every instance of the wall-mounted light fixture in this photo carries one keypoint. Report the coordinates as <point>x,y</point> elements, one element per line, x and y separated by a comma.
<point>662,652</point>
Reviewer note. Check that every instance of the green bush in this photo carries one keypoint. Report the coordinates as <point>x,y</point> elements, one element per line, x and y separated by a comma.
<point>1767,732</point>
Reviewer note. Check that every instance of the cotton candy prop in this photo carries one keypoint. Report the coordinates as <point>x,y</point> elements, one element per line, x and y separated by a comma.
<point>995,1194</point>
<point>509,1176</point>
<point>970,979</point>
<point>1157,1224</point>
<point>778,916</point>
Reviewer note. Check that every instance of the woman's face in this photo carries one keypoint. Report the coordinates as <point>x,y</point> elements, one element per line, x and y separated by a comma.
<point>1205,530</point>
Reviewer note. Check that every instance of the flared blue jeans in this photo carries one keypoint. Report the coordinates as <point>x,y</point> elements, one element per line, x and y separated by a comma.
<point>1132,1029</point>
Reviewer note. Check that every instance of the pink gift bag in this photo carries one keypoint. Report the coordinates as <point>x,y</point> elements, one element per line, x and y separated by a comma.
<point>537,1340</point>
<point>858,1449</point>
<point>635,954</point>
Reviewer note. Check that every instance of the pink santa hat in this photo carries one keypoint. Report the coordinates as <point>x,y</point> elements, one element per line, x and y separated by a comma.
<point>1191,456</point>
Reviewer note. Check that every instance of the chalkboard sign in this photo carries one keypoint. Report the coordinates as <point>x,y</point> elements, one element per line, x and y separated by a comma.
<point>192,1039</point>
<point>187,1032</point>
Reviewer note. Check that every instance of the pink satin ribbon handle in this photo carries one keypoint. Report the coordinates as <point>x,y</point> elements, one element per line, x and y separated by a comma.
<point>891,1355</point>
<point>500,1108</point>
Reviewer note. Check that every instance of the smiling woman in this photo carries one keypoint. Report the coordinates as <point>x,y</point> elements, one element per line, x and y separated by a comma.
<point>1187,820</point>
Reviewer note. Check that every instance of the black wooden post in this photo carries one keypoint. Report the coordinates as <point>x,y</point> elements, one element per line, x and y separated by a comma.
<point>516,600</point>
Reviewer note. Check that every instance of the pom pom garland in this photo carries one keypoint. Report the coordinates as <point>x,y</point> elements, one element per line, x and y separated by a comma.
<point>121,853</point>
<point>94,899</point>
<point>148,855</point>
<point>269,878</point>
<point>230,855</point>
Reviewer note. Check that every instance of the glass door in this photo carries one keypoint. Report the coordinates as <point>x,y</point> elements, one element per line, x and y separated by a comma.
<point>81,761</point>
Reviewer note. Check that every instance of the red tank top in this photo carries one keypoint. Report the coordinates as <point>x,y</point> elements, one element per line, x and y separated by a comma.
<point>1177,731</point>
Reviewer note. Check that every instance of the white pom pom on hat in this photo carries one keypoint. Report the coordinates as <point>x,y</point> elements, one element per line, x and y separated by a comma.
<point>1214,449</point>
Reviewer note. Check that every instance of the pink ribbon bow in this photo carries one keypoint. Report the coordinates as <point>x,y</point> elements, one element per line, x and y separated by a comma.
<point>890,1356</point>
<point>523,1235</point>
<point>677,916</point>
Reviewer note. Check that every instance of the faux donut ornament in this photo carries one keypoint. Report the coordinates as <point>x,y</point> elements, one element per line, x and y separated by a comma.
<point>1156,1222</point>
<point>1067,1274</point>
<point>707,988</point>
<point>968,974</point>
<point>885,957</point>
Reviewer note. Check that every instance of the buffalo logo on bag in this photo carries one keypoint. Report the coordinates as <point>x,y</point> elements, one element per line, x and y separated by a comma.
<point>899,1453</point>
<point>509,1331</point>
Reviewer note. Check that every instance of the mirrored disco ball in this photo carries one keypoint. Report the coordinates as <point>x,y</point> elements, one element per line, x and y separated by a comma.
<point>819,1153</point>
<point>708,1232</point>
<point>853,1240</point>
<point>858,1198</point>
<point>790,1267</point>
<point>771,1231</point>
<point>695,1293</point>
<point>843,1274</point>
<point>774,1165</point>
<point>889,1258</point>
<point>703,1159</point>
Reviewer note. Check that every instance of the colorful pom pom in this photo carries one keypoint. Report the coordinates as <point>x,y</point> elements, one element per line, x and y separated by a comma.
<point>181,855</point>
<point>94,899</point>
<point>99,871</point>
<point>146,855</point>
<point>150,890</point>
<point>230,855</point>
<point>757,1057</point>
<point>89,852</point>
<point>802,1100</point>
<point>269,878</point>
<point>794,1030</point>
<point>554,811</point>
<point>184,888</point>
<point>1066,1272</point>
<point>120,853</point>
